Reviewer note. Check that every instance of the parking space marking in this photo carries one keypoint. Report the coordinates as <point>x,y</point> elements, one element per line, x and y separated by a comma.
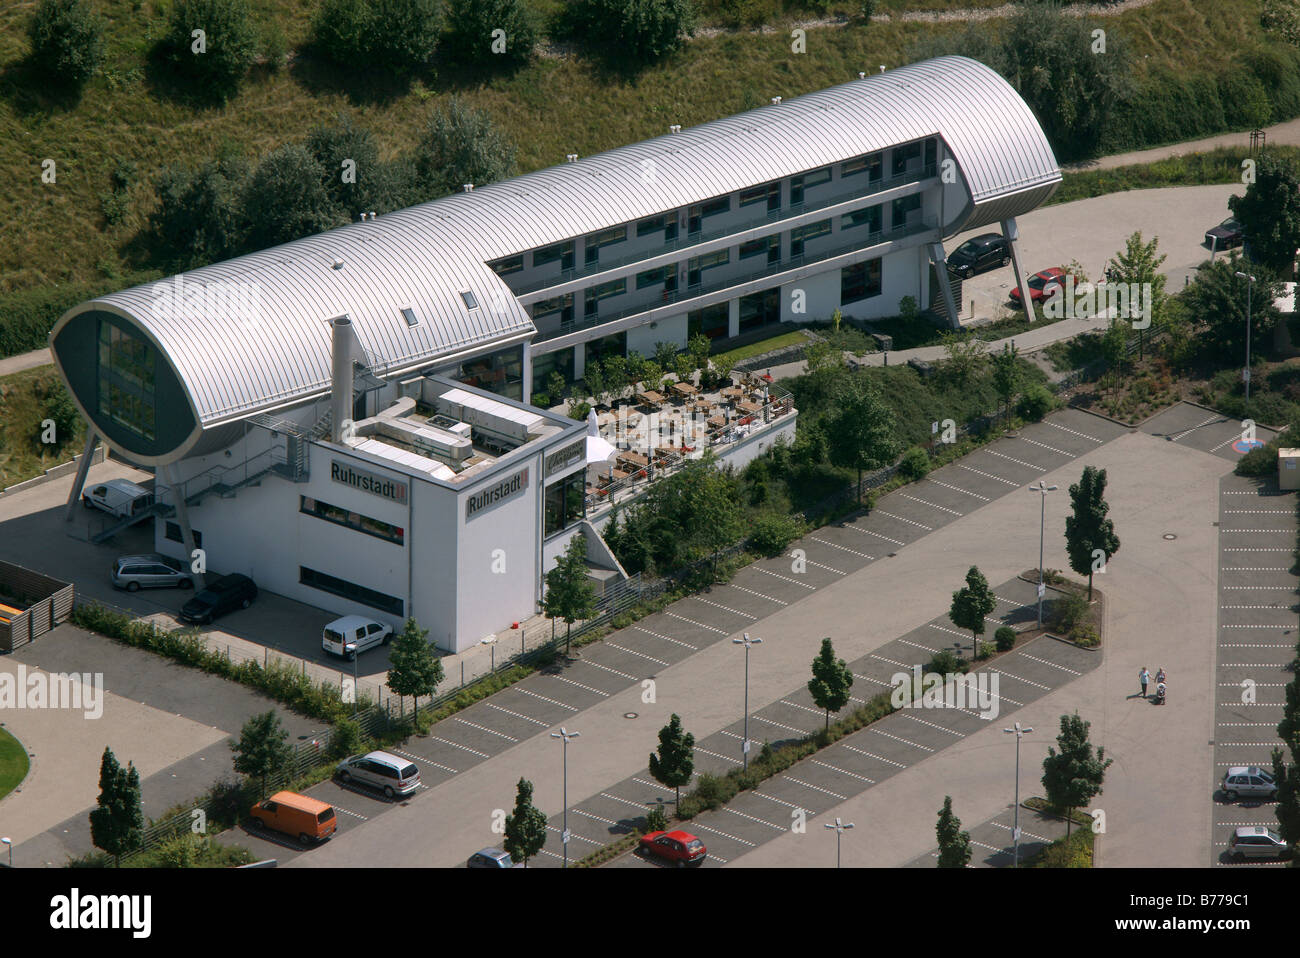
<point>1020,462</point>
<point>571,708</point>
<point>596,818</point>
<point>844,771</point>
<point>348,811</point>
<point>878,758</point>
<point>573,834</point>
<point>625,801</point>
<point>817,788</point>
<point>1063,668</point>
<point>1037,838</point>
<point>944,628</point>
<point>1074,431</point>
<point>868,678</point>
<point>447,741</point>
<point>807,708</point>
<point>918,645</point>
<point>718,831</point>
<point>666,638</point>
<point>960,489</point>
<point>760,595</point>
<point>986,475</point>
<point>585,688</point>
<point>890,661</point>
<point>421,758</point>
<point>701,625</point>
<point>1261,512</point>
<point>896,738</point>
<point>1059,452</point>
<point>802,585</point>
<point>828,568</point>
<point>725,758</point>
<point>835,545</point>
<point>932,725</point>
<point>635,652</point>
<point>1180,435</point>
<point>788,728</point>
<point>932,505</point>
<point>1038,685</point>
<point>484,728</point>
<point>913,522</point>
<point>526,718</point>
<point>797,808</point>
<point>717,605</point>
<point>753,818</point>
<point>607,669</point>
<point>868,532</point>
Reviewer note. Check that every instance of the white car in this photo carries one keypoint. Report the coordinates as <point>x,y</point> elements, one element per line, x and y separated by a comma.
<point>352,634</point>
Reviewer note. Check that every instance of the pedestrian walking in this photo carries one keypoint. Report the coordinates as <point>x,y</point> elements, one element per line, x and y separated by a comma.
<point>1160,676</point>
<point>1144,677</point>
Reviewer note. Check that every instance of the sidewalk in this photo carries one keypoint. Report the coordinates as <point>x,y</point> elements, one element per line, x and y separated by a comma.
<point>16,364</point>
<point>1280,134</point>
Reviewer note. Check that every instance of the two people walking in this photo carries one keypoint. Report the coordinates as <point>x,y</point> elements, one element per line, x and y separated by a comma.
<point>1144,677</point>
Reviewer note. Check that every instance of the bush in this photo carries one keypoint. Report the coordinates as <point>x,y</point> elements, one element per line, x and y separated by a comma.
<point>1035,403</point>
<point>635,31</point>
<point>1068,612</point>
<point>947,662</point>
<point>986,650</point>
<point>287,192</point>
<point>472,23</point>
<point>348,739</point>
<point>199,217</point>
<point>914,464</point>
<point>1005,638</point>
<point>67,40</point>
<point>398,36</point>
<point>229,44</point>
<point>656,820</point>
<point>773,531</point>
<point>1085,634</point>
<point>461,146</point>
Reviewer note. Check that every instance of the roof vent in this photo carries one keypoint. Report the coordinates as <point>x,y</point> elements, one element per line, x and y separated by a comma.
<point>571,157</point>
<point>468,187</point>
<point>862,76</point>
<point>372,214</point>
<point>776,100</point>
<point>882,68</point>
<point>675,128</point>
<point>337,264</point>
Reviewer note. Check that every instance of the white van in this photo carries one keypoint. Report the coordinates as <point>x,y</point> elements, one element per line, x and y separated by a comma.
<point>352,634</point>
<point>118,497</point>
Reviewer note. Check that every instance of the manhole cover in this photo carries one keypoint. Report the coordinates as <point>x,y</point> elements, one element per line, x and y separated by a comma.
<point>629,715</point>
<point>1170,535</point>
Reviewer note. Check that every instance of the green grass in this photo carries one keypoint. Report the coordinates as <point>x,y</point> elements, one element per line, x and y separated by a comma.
<point>56,233</point>
<point>13,763</point>
<point>22,403</point>
<point>780,341</point>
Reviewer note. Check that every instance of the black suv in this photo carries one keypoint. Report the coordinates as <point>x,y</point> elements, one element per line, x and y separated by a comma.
<point>979,255</point>
<point>225,594</point>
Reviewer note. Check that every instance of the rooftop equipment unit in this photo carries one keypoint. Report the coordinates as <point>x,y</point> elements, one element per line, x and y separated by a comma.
<point>490,415</point>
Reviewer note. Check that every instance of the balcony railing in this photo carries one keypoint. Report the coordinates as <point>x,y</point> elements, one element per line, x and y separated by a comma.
<point>577,324</point>
<point>696,239</point>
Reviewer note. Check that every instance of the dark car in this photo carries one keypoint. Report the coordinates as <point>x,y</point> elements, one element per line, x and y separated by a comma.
<point>1224,236</point>
<point>224,595</point>
<point>490,858</point>
<point>979,255</point>
<point>681,848</point>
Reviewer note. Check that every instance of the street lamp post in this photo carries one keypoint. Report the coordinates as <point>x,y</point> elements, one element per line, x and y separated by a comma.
<point>1043,489</point>
<point>1019,733</point>
<point>491,643</point>
<point>565,735</point>
<point>1250,286</point>
<point>9,844</point>
<point>748,643</point>
<point>839,827</point>
<point>356,681</point>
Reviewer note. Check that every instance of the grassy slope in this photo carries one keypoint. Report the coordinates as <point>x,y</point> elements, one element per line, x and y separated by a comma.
<point>52,234</point>
<point>21,411</point>
<point>13,763</point>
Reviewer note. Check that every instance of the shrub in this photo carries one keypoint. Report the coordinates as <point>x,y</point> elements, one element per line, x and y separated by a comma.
<point>67,40</point>
<point>986,650</point>
<point>1035,403</point>
<point>287,191</point>
<point>1005,638</point>
<point>399,36</point>
<point>472,24</point>
<point>656,820</point>
<point>1069,611</point>
<point>1085,634</point>
<point>229,44</point>
<point>347,739</point>
<point>773,531</point>
<point>635,31</point>
<point>947,662</point>
<point>199,215</point>
<point>914,464</point>
<point>461,146</point>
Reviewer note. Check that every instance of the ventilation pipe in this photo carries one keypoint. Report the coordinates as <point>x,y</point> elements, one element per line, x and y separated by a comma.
<point>468,187</point>
<point>344,344</point>
<point>571,157</point>
<point>675,128</point>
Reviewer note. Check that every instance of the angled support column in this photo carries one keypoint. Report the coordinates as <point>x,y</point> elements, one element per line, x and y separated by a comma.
<point>1012,233</point>
<point>83,467</point>
<point>939,260</point>
<point>183,519</point>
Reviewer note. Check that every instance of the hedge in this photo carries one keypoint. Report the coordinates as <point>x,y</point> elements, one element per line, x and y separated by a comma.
<point>28,315</point>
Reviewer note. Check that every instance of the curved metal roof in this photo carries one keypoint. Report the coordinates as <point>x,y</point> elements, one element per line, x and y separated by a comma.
<point>422,257</point>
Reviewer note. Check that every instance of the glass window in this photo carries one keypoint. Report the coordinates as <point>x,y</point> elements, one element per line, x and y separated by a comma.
<point>711,321</point>
<point>903,156</point>
<point>760,247</point>
<point>350,590</point>
<point>603,291</point>
<point>563,252</point>
<point>594,241</point>
<point>900,209</point>
<point>759,309</point>
<point>126,379</point>
<point>665,275</point>
<point>564,502</point>
<point>408,314</point>
<point>760,194</point>
<point>471,302</point>
<point>868,217</point>
<point>353,520</point>
<point>801,234</point>
<point>860,281</point>
<point>654,224</point>
<point>511,264</point>
<point>699,264</point>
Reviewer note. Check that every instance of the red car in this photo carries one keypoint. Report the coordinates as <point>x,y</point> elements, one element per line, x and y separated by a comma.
<point>680,847</point>
<point>1042,285</point>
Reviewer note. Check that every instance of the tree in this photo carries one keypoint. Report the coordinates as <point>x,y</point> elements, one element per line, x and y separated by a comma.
<point>117,821</point>
<point>473,24</point>
<point>966,356</point>
<point>263,748</point>
<point>1219,299</point>
<point>569,595</point>
<point>216,60</point>
<point>1073,776</point>
<point>635,32</point>
<point>1269,213</point>
<point>593,374</point>
<point>397,36</point>
<point>970,604</point>
<point>287,199</point>
<point>698,348</point>
<point>675,763</point>
<point>862,433</point>
<point>461,146</point>
<point>199,216</point>
<point>349,163</point>
<point>1138,264</point>
<point>954,844</point>
<point>415,668</point>
<point>1006,374</point>
<point>1087,530</point>
<point>1114,349</point>
<point>832,679</point>
<point>526,828</point>
<point>62,411</point>
<point>67,38</point>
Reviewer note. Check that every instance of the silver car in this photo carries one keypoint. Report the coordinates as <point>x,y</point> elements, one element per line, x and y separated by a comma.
<point>152,571</point>
<point>1256,841</point>
<point>391,774</point>
<point>1248,781</point>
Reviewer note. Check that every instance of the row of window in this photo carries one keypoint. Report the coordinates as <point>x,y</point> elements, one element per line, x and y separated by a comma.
<point>127,370</point>
<point>564,502</point>
<point>352,520</point>
<point>350,590</point>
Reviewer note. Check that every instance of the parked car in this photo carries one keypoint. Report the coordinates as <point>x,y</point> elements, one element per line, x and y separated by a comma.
<point>307,819</point>
<point>491,858</point>
<point>1224,236</point>
<point>1242,781</point>
<point>353,634</point>
<point>152,571</point>
<point>228,593</point>
<point>1041,285</point>
<point>979,255</point>
<point>118,497</point>
<point>680,847</point>
<point>392,774</point>
<point>1256,841</point>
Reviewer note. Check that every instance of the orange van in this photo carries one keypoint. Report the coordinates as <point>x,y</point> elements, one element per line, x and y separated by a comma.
<point>309,819</point>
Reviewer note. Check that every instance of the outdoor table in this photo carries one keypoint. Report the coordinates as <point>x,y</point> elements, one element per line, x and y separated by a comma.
<point>635,458</point>
<point>717,422</point>
<point>650,398</point>
<point>684,389</point>
<point>749,407</point>
<point>702,406</point>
